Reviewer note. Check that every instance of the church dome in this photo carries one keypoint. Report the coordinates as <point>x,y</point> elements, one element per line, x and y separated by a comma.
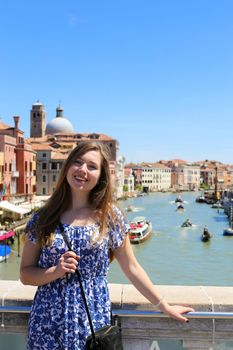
<point>59,125</point>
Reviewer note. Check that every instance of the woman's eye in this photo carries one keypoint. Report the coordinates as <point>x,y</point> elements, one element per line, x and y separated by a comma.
<point>92,167</point>
<point>78,162</point>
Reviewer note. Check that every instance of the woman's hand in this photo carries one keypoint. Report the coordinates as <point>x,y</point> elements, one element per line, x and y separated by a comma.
<point>176,311</point>
<point>67,264</point>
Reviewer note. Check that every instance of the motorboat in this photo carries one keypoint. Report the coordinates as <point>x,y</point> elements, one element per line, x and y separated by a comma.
<point>129,208</point>
<point>228,231</point>
<point>5,252</point>
<point>140,229</point>
<point>205,237</point>
<point>142,194</point>
<point>201,199</point>
<point>180,207</point>
<point>178,199</point>
<point>187,223</point>
<point>217,205</point>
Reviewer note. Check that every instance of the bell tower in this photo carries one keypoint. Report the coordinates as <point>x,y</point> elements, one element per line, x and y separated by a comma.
<point>38,120</point>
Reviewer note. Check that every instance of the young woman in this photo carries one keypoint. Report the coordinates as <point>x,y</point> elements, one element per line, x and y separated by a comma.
<point>82,203</point>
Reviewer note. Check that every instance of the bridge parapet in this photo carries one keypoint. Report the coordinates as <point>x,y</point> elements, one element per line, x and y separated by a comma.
<point>143,327</point>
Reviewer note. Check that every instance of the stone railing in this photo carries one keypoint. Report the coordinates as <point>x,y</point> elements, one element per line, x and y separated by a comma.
<point>142,326</point>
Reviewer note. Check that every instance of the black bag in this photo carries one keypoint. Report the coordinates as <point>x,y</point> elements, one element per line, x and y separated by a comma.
<point>105,338</point>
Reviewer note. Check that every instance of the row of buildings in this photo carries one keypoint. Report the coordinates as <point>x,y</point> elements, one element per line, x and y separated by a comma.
<point>31,166</point>
<point>178,175</point>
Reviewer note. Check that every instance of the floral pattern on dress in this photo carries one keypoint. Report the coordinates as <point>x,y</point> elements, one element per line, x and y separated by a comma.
<point>58,319</point>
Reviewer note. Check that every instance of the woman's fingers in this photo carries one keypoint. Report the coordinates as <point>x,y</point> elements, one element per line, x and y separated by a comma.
<point>68,262</point>
<point>71,254</point>
<point>177,311</point>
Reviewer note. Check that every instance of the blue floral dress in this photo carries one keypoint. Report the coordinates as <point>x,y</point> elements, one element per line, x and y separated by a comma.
<point>58,318</point>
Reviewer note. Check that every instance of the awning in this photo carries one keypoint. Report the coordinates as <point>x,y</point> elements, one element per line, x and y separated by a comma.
<point>5,205</point>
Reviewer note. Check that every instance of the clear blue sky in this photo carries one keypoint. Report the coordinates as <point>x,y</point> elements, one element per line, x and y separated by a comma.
<point>155,75</point>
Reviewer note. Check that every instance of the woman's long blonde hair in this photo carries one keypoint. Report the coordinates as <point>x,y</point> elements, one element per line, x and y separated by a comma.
<point>100,197</point>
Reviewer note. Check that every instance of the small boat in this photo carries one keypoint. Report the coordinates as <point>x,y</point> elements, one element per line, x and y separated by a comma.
<point>228,231</point>
<point>140,229</point>
<point>210,201</point>
<point>180,207</point>
<point>5,252</point>
<point>201,199</point>
<point>129,208</point>
<point>178,199</point>
<point>217,205</point>
<point>205,237</point>
<point>142,194</point>
<point>187,223</point>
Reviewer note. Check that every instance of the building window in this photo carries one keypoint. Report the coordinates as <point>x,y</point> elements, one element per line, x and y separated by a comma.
<point>78,136</point>
<point>93,136</point>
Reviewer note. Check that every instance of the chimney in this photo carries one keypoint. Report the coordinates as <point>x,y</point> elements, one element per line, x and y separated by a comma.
<point>16,119</point>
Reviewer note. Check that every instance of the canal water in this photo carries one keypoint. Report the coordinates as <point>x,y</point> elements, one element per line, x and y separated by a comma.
<point>175,255</point>
<point>172,255</point>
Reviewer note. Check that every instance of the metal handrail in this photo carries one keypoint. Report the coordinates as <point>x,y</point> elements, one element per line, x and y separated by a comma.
<point>15,309</point>
<point>135,313</point>
<point>150,313</point>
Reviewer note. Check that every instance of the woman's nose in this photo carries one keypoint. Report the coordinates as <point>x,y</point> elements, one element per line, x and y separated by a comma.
<point>83,167</point>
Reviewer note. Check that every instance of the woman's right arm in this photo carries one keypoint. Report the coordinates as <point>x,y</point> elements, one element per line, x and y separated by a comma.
<point>31,274</point>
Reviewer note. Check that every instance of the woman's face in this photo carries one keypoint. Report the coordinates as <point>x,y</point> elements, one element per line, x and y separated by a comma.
<point>84,173</point>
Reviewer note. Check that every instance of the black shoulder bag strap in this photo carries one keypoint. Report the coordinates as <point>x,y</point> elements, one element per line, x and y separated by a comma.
<point>81,287</point>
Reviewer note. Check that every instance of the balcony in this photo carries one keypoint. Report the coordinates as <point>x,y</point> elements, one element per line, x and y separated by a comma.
<point>15,173</point>
<point>29,174</point>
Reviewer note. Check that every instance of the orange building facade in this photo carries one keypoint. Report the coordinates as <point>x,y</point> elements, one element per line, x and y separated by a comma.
<point>15,156</point>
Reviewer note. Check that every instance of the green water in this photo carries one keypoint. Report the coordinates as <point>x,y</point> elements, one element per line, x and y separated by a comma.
<point>173,255</point>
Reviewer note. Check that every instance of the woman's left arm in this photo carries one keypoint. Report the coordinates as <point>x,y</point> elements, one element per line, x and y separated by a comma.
<point>139,278</point>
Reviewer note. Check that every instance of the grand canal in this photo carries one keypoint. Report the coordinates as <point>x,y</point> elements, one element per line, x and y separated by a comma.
<point>173,255</point>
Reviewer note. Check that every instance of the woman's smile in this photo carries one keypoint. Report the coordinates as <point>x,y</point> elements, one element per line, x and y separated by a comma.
<point>84,173</point>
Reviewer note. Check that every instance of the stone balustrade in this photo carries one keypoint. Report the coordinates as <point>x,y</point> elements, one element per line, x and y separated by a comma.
<point>141,331</point>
